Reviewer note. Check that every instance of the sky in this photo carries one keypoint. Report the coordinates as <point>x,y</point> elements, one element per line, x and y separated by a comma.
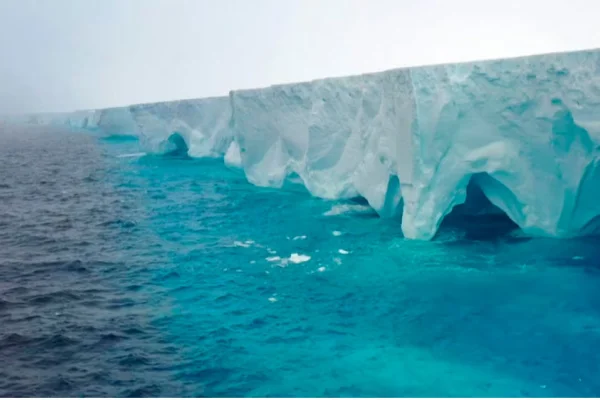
<point>62,55</point>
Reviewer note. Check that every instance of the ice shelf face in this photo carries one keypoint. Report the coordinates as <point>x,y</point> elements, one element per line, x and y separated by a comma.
<point>343,137</point>
<point>530,125</point>
<point>524,130</point>
<point>203,124</point>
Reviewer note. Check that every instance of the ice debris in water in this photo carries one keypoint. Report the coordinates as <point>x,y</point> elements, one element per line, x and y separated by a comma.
<point>273,259</point>
<point>131,155</point>
<point>336,233</point>
<point>237,243</point>
<point>298,258</point>
<point>321,269</point>
<point>272,299</point>
<point>342,251</point>
<point>299,237</point>
<point>340,209</point>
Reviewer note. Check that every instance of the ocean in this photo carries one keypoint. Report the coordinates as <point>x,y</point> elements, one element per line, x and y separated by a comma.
<point>128,274</point>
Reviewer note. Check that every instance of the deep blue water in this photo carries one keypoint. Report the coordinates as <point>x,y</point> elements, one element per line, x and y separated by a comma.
<point>123,275</point>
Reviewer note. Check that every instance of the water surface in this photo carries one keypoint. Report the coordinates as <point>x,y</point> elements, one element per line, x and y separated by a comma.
<point>130,275</point>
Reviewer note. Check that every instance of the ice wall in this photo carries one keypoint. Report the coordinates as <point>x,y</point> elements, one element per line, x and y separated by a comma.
<point>344,137</point>
<point>525,130</point>
<point>531,125</point>
<point>77,119</point>
<point>203,124</point>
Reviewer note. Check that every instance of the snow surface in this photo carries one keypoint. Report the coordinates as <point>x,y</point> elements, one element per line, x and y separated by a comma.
<point>524,130</point>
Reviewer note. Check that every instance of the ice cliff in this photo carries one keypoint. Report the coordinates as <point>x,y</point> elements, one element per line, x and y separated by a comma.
<point>524,130</point>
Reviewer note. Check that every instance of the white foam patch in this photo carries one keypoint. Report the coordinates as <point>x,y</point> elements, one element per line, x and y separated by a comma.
<point>340,209</point>
<point>296,258</point>
<point>272,299</point>
<point>342,251</point>
<point>299,237</point>
<point>337,260</point>
<point>336,233</point>
<point>271,251</point>
<point>321,269</point>
<point>237,243</point>
<point>273,259</point>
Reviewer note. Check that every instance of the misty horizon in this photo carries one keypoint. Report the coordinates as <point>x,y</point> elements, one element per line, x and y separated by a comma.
<point>62,56</point>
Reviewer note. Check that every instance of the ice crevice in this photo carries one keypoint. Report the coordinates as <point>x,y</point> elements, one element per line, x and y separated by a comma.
<point>523,131</point>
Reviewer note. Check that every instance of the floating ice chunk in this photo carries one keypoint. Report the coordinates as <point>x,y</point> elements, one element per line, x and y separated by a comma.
<point>296,258</point>
<point>321,269</point>
<point>272,299</point>
<point>299,237</point>
<point>131,155</point>
<point>273,259</point>
<point>342,251</point>
<point>336,233</point>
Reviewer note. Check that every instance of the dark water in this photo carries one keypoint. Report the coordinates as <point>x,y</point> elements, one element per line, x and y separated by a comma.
<point>123,275</point>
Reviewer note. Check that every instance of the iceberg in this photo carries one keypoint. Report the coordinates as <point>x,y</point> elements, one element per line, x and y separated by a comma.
<point>523,131</point>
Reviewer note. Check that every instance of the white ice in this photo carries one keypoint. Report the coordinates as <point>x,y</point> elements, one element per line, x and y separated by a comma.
<point>296,258</point>
<point>525,131</point>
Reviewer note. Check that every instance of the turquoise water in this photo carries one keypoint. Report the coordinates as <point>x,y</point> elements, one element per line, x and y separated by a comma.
<point>164,281</point>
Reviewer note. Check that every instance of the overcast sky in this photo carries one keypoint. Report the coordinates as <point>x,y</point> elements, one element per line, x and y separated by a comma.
<point>59,55</point>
